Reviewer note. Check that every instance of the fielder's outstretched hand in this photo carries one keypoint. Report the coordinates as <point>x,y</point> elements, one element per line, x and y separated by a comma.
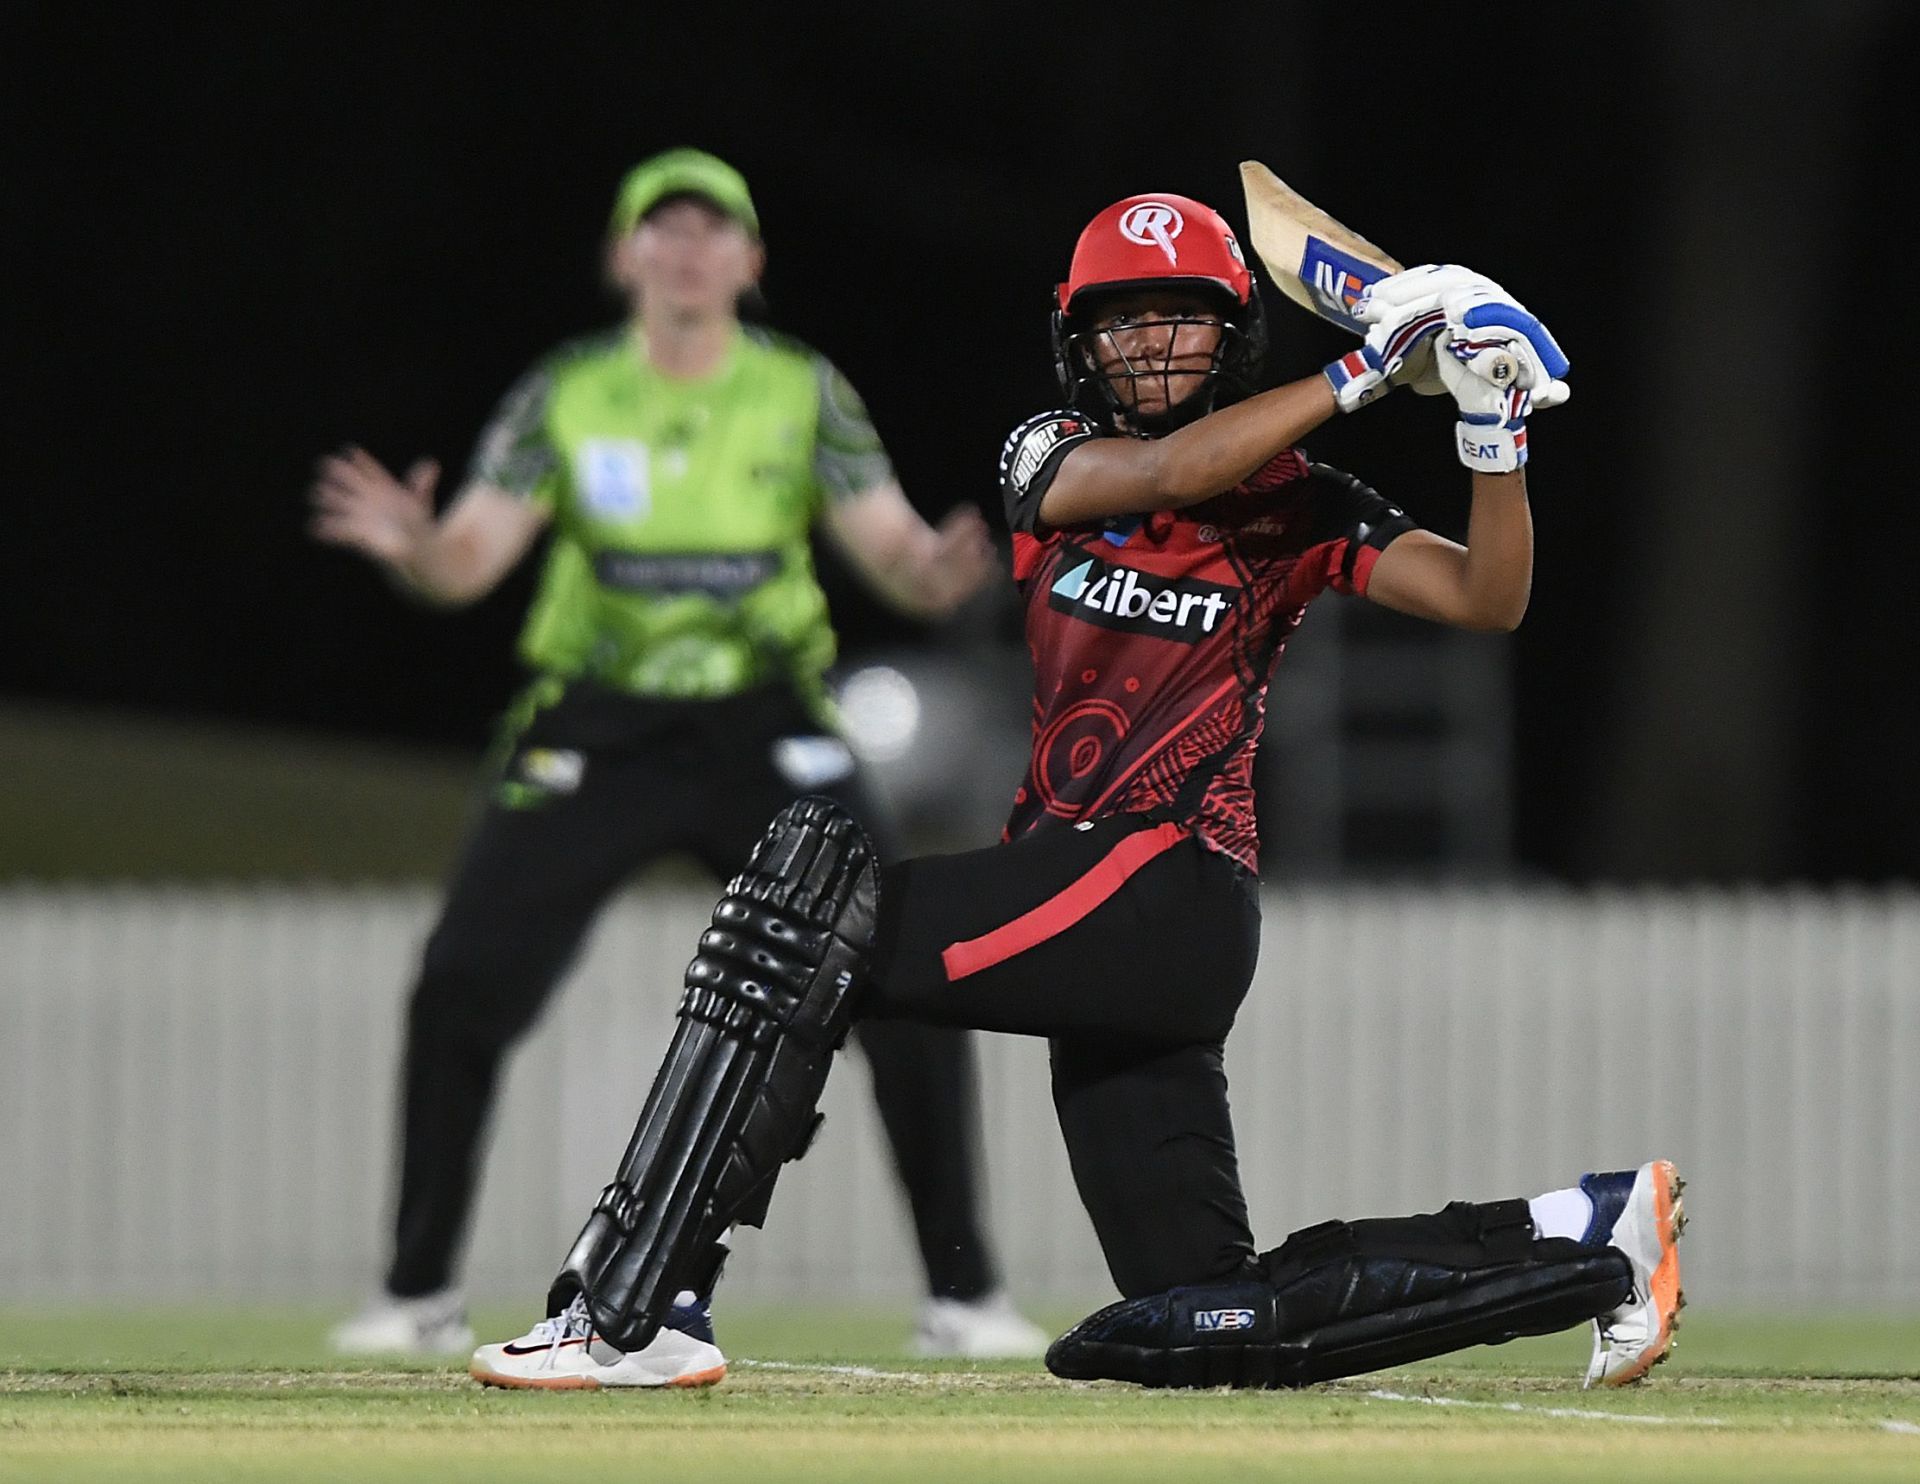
<point>962,561</point>
<point>357,503</point>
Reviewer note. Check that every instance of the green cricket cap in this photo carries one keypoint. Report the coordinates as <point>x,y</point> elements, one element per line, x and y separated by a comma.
<point>683,172</point>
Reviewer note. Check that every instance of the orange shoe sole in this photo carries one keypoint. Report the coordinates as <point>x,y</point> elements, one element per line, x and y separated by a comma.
<point>1665,1290</point>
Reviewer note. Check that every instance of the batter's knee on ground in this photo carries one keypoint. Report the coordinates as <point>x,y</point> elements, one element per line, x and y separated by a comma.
<point>1341,1299</point>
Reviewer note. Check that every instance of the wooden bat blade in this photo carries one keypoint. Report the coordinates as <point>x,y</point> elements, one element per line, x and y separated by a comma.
<point>1323,265</point>
<point>1311,258</point>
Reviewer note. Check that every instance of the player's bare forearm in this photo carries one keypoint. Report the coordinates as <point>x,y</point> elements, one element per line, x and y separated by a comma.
<point>1499,576</point>
<point>1213,455</point>
<point>1483,585</point>
<point>923,571</point>
<point>893,573</point>
<point>462,556</point>
<point>1131,476</point>
<point>446,568</point>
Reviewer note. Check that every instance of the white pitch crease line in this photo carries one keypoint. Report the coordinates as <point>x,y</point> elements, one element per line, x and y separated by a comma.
<point>922,1378</point>
<point>867,1373</point>
<point>1557,1412</point>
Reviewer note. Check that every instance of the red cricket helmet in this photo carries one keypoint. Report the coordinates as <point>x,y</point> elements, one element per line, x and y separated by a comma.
<point>1148,241</point>
<point>1158,240</point>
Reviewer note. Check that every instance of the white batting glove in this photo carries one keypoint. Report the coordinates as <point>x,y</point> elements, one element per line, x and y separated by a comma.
<point>1380,364</point>
<point>1414,292</point>
<point>1356,378</point>
<point>1419,288</point>
<point>1491,436</point>
<point>1504,343</point>
<point>1399,339</point>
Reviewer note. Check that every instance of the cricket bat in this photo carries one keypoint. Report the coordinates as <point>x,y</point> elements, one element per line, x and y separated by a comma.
<point>1317,262</point>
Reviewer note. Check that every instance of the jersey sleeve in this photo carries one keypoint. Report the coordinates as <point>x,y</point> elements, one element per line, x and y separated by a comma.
<point>1352,525</point>
<point>514,451</point>
<point>848,456</point>
<point>1032,456</point>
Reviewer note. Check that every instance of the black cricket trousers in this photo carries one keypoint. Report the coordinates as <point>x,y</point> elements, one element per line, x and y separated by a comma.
<point>1129,945</point>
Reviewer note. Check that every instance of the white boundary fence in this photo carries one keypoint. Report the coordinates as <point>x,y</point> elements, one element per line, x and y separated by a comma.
<point>196,1089</point>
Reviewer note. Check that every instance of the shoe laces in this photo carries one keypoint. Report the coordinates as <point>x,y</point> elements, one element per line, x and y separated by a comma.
<point>572,1323</point>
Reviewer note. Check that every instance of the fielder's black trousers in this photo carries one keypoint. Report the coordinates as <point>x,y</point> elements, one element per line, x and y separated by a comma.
<point>1129,945</point>
<point>582,794</point>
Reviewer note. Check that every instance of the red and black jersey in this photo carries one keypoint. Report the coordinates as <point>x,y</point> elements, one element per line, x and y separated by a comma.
<point>1153,637</point>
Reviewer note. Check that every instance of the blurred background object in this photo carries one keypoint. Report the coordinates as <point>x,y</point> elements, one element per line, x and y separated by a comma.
<point>293,235</point>
<point>195,1088</point>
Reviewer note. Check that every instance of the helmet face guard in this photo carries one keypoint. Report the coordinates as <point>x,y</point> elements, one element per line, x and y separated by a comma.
<point>1147,244</point>
<point>1099,377</point>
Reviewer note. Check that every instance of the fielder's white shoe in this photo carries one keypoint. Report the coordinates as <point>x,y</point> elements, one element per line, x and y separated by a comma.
<point>1638,1212</point>
<point>564,1354</point>
<point>987,1328</point>
<point>432,1324</point>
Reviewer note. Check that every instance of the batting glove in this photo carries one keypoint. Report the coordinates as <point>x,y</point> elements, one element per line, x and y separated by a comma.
<point>1419,288</point>
<point>1491,436</point>
<point>1413,292</point>
<point>1487,324</point>
<point>1397,341</point>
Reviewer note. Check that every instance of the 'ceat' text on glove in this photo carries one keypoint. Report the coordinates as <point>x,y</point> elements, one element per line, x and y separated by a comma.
<point>1491,435</point>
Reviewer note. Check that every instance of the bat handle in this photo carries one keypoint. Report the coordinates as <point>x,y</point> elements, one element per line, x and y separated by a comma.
<point>1502,369</point>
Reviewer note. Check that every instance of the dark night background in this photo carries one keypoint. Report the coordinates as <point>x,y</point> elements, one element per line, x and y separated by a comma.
<point>241,236</point>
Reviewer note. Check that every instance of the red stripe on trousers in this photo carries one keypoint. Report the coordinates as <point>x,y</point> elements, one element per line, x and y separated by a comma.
<point>1064,908</point>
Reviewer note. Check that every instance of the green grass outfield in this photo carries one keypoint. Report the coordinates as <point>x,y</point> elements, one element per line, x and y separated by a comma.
<point>829,1395</point>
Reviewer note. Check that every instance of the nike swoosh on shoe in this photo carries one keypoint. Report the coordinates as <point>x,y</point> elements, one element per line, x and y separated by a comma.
<point>519,1349</point>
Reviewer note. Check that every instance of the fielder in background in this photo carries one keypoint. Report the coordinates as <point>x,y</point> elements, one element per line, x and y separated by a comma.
<point>1169,535</point>
<point>679,643</point>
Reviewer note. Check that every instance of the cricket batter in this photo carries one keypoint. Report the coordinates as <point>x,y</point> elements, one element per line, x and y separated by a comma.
<point>1169,534</point>
<point>678,641</point>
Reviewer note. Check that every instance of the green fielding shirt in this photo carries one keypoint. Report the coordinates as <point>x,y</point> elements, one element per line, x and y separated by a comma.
<point>679,564</point>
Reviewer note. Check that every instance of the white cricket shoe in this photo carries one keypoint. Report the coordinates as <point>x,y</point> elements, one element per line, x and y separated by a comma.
<point>432,1324</point>
<point>564,1354</point>
<point>986,1328</point>
<point>1639,1213</point>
